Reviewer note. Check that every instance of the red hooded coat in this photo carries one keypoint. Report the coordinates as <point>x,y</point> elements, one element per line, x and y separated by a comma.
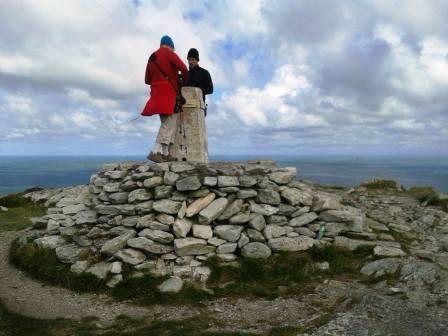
<point>163,91</point>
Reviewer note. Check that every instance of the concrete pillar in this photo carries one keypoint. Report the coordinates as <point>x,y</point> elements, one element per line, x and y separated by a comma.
<point>190,143</point>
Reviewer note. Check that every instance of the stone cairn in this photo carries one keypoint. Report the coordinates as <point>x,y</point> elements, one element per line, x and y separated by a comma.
<point>169,218</point>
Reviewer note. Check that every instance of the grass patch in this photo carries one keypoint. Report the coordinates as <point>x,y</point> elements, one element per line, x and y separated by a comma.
<point>42,264</point>
<point>282,273</point>
<point>428,196</point>
<point>143,290</point>
<point>19,212</point>
<point>12,324</point>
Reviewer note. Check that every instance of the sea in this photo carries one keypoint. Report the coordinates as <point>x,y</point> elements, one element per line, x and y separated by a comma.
<point>18,173</point>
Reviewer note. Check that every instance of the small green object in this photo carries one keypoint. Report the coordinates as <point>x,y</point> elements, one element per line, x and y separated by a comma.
<point>321,232</point>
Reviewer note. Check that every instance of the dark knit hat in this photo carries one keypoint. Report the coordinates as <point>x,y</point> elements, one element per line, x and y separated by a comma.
<point>168,41</point>
<point>193,53</point>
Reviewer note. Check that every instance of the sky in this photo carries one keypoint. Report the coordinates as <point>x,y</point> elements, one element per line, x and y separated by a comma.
<point>291,77</point>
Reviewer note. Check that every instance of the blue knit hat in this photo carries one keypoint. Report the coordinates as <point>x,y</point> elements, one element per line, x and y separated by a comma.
<point>168,41</point>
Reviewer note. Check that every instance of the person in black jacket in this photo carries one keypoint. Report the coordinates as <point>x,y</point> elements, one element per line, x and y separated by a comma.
<point>197,76</point>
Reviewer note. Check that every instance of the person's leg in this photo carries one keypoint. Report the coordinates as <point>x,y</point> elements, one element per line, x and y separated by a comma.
<point>166,134</point>
<point>170,127</point>
<point>156,153</point>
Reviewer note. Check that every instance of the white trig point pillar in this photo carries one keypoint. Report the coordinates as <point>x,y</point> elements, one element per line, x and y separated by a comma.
<point>190,143</point>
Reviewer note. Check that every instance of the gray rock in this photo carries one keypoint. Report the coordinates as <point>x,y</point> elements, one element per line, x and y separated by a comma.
<point>212,211</point>
<point>118,198</point>
<point>230,233</point>
<point>144,207</point>
<point>244,239</point>
<point>232,209</point>
<point>170,178</point>
<point>130,221</point>
<point>82,241</point>
<point>181,227</point>
<point>256,250</point>
<point>116,267</point>
<point>139,195</point>
<point>216,241</point>
<point>246,193</point>
<point>3,209</point>
<point>386,251</point>
<point>157,236</point>
<point>86,217</point>
<point>112,187</point>
<point>52,227</point>
<point>274,231</point>
<point>381,267</point>
<point>268,196</point>
<point>145,221</point>
<point>172,285</point>
<point>286,209</point>
<point>73,209</point>
<point>192,246</point>
<point>115,280</point>
<point>71,253</point>
<point>182,211</point>
<point>263,209</point>
<point>240,218</point>
<point>295,196</point>
<point>228,181</point>
<point>257,222</point>
<point>153,182</point>
<point>107,210</point>
<point>165,219</point>
<point>199,204</point>
<point>210,181</point>
<point>201,274</point>
<point>131,256</point>
<point>247,181</point>
<point>278,220</point>
<point>188,183</point>
<point>326,202</point>
<point>300,211</point>
<point>148,245</point>
<point>116,174</point>
<point>163,191</point>
<point>283,177</point>
<point>100,270</point>
<point>202,231</point>
<point>50,242</point>
<point>226,248</point>
<point>79,266</point>
<point>181,167</point>
<point>303,219</point>
<point>117,243</point>
<point>255,235</point>
<point>351,244</point>
<point>291,244</point>
<point>303,231</point>
<point>129,186</point>
<point>167,206</point>
<point>348,215</point>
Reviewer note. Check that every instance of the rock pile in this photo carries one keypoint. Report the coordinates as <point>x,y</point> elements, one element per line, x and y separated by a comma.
<point>168,218</point>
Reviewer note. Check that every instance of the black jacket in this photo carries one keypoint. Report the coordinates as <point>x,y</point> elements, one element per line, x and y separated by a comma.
<point>199,77</point>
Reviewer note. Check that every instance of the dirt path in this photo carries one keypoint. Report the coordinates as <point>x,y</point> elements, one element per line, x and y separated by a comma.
<point>23,295</point>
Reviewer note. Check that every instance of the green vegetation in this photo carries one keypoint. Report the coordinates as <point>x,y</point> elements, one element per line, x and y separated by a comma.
<point>42,264</point>
<point>282,273</point>
<point>12,324</point>
<point>428,196</point>
<point>19,212</point>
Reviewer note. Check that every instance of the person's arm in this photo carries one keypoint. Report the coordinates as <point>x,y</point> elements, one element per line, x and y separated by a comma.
<point>177,62</point>
<point>148,74</point>
<point>208,88</point>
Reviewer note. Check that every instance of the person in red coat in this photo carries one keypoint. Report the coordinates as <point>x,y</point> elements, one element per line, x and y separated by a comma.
<point>162,74</point>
